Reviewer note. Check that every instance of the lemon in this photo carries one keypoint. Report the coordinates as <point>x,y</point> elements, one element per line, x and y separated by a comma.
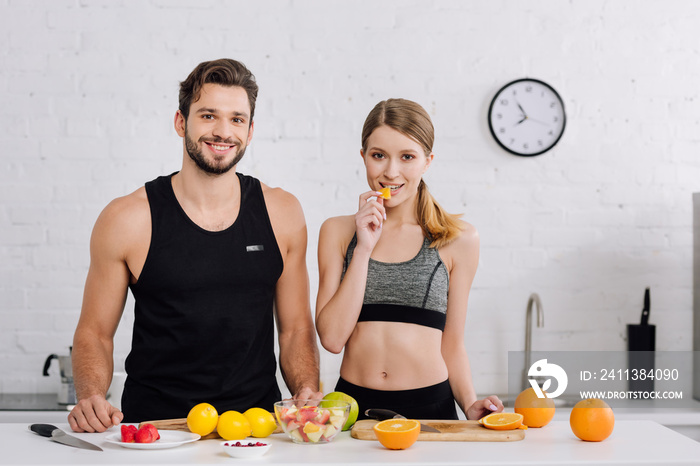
<point>233,426</point>
<point>262,422</point>
<point>202,419</point>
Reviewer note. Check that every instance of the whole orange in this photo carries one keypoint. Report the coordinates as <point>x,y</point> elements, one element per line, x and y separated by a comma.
<point>592,420</point>
<point>537,412</point>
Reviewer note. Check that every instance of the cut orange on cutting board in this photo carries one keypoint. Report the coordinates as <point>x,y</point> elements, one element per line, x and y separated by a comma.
<point>397,434</point>
<point>385,193</point>
<point>537,412</point>
<point>503,421</point>
<point>592,420</point>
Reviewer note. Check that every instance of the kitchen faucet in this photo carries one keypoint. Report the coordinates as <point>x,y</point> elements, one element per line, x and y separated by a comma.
<point>534,298</point>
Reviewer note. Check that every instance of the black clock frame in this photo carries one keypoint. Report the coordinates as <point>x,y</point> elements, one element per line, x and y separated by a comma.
<point>495,97</point>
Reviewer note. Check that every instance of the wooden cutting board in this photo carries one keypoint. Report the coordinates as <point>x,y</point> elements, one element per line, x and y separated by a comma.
<point>181,424</point>
<point>450,431</point>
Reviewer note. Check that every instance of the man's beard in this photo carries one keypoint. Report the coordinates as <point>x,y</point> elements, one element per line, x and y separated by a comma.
<point>205,165</point>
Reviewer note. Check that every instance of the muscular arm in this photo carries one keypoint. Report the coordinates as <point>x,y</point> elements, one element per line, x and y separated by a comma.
<point>103,303</point>
<point>299,360</point>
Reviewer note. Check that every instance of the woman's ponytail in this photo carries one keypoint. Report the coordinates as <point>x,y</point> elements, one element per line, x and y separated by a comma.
<point>439,226</point>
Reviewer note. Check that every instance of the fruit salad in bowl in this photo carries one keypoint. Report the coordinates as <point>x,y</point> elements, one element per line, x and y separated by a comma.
<point>312,421</point>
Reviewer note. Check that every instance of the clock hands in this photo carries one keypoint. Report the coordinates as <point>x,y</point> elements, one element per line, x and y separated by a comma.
<point>538,121</point>
<point>526,117</point>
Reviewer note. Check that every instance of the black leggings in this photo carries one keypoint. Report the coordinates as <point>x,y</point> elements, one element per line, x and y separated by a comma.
<point>433,402</point>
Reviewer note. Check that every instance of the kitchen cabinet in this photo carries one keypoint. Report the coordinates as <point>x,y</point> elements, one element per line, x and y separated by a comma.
<point>632,442</point>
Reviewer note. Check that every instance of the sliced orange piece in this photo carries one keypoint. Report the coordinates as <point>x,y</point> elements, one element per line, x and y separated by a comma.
<point>386,193</point>
<point>503,421</point>
<point>397,434</point>
<point>310,427</point>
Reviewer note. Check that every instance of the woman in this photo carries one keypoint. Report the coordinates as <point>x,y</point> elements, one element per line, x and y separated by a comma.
<point>395,280</point>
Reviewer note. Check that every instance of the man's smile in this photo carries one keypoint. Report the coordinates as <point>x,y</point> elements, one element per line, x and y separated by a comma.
<point>219,148</point>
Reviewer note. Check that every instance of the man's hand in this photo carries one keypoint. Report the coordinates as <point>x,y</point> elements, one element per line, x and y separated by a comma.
<point>94,414</point>
<point>307,393</point>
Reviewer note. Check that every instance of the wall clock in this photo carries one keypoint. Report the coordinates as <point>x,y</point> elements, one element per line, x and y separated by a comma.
<point>527,117</point>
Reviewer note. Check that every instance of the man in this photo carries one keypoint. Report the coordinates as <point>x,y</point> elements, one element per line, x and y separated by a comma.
<point>206,252</point>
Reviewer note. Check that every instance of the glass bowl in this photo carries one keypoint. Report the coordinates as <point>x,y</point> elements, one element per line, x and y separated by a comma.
<point>312,421</point>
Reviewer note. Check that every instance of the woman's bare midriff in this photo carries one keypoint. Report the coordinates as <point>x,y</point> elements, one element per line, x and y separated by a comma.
<point>393,356</point>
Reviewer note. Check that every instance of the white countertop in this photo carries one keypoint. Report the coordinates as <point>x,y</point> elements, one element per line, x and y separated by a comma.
<point>632,442</point>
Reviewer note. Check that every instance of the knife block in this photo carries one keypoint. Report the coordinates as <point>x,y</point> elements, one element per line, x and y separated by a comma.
<point>641,344</point>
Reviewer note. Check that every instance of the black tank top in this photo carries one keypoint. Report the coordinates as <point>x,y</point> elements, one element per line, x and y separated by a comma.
<point>203,316</point>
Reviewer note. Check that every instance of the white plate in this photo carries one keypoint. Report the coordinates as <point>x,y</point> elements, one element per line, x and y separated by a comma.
<point>168,439</point>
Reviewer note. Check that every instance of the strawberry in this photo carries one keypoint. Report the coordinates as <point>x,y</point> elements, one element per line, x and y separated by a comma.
<point>288,414</point>
<point>154,432</point>
<point>307,413</point>
<point>323,417</point>
<point>128,432</point>
<point>144,435</point>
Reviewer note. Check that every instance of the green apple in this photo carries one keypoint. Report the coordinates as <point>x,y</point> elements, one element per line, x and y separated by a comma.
<point>354,408</point>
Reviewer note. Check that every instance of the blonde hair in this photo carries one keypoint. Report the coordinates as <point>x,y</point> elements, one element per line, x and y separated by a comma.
<point>410,119</point>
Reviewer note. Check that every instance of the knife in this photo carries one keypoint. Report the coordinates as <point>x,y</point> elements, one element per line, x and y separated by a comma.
<point>383,414</point>
<point>647,308</point>
<point>57,435</point>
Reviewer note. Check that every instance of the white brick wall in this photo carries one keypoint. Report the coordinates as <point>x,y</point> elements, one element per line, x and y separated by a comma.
<point>89,88</point>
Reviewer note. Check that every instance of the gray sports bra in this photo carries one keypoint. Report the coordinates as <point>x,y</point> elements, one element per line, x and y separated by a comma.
<point>414,291</point>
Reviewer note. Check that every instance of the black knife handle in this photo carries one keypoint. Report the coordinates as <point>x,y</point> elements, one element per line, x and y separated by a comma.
<point>647,308</point>
<point>44,430</point>
<point>382,414</point>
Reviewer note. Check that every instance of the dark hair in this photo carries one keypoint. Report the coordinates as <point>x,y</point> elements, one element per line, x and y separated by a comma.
<point>410,119</point>
<point>224,71</point>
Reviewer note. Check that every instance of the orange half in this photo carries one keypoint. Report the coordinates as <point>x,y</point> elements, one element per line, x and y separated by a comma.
<point>503,421</point>
<point>397,434</point>
<point>386,193</point>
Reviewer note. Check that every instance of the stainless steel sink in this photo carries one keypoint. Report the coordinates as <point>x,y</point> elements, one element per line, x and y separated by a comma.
<point>563,401</point>
<point>31,402</point>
